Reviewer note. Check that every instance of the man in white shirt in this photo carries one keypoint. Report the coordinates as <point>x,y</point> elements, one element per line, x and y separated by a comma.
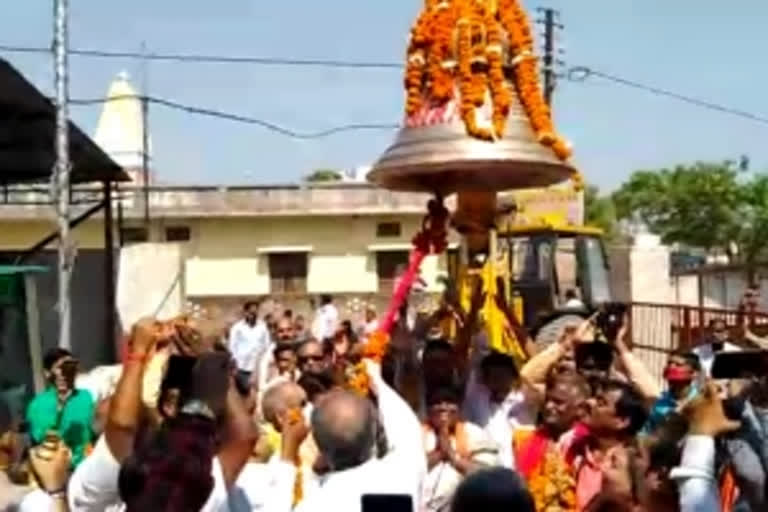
<point>572,300</point>
<point>269,367</point>
<point>344,428</point>
<point>248,340</point>
<point>496,402</point>
<point>718,341</point>
<point>326,319</point>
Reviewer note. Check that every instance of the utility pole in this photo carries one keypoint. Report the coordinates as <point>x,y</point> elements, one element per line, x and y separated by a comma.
<point>551,25</point>
<point>60,186</point>
<point>145,133</point>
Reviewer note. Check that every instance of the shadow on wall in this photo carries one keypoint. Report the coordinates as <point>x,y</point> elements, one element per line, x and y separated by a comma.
<point>89,311</point>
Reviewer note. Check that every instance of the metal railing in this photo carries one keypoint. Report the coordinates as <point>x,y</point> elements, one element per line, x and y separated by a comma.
<point>658,329</point>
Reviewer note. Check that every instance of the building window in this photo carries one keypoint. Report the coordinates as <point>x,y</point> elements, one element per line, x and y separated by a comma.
<point>389,264</point>
<point>177,234</point>
<point>288,272</point>
<point>134,235</point>
<point>388,230</point>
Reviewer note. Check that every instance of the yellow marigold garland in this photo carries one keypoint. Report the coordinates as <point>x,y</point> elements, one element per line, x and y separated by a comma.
<point>475,47</point>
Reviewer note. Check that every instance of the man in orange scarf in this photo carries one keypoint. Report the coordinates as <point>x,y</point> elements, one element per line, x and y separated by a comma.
<point>541,453</point>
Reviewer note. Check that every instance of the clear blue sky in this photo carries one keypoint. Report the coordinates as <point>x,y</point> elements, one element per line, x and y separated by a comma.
<point>713,50</point>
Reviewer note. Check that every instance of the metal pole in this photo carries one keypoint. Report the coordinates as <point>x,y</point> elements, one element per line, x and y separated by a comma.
<point>145,134</point>
<point>61,191</point>
<point>110,326</point>
<point>549,55</point>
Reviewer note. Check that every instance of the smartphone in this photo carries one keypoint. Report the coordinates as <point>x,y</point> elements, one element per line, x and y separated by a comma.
<point>387,503</point>
<point>178,374</point>
<point>744,364</point>
<point>610,318</point>
<point>594,356</point>
<point>69,369</point>
<point>210,379</point>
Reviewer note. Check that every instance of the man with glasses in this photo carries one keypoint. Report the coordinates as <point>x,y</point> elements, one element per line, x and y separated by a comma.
<point>313,359</point>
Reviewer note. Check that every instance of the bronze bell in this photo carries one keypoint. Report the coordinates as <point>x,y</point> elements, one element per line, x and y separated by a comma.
<point>443,158</point>
<point>439,150</point>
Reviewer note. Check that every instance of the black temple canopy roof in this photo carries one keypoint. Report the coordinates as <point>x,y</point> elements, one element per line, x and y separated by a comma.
<point>27,134</point>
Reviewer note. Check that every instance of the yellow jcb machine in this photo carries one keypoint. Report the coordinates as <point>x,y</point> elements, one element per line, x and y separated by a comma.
<point>555,270</point>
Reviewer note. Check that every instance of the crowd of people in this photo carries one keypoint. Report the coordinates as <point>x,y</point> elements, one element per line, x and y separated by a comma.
<point>260,416</point>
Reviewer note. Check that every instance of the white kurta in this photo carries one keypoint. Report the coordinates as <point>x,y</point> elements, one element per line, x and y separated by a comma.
<point>93,485</point>
<point>442,479</point>
<point>499,420</point>
<point>248,343</point>
<point>401,471</point>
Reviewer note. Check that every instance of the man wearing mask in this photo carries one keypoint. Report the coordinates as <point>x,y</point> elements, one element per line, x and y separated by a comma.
<point>62,408</point>
<point>248,340</point>
<point>682,375</point>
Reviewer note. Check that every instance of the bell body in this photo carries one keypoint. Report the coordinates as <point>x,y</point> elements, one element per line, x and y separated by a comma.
<point>433,153</point>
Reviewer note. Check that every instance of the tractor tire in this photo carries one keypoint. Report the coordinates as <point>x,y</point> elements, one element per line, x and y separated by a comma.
<point>551,332</point>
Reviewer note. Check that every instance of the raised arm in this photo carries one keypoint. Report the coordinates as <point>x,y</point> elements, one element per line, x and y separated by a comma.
<point>401,426</point>
<point>126,405</point>
<point>637,373</point>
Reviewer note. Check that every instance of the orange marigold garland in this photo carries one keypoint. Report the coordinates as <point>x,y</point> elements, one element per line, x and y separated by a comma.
<point>480,49</point>
<point>553,485</point>
<point>298,482</point>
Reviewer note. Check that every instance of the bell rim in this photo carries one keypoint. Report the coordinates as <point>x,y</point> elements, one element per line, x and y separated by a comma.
<point>447,176</point>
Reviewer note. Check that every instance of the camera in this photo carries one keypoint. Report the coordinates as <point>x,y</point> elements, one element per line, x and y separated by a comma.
<point>610,318</point>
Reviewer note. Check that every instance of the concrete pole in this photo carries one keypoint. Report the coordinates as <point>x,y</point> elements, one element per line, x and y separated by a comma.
<point>60,185</point>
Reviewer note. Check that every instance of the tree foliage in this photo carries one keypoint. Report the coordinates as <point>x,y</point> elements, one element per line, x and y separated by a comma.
<point>324,175</point>
<point>600,211</point>
<point>706,205</point>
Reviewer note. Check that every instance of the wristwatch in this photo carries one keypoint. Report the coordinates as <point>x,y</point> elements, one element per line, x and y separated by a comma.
<point>198,408</point>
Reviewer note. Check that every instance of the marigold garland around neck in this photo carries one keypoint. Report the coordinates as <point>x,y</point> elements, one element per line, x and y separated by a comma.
<point>472,51</point>
<point>550,477</point>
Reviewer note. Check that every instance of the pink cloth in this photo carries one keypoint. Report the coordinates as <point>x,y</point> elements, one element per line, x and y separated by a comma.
<point>589,475</point>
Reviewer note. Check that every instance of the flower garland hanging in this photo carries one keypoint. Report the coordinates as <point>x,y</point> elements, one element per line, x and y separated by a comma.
<point>295,416</point>
<point>480,50</point>
<point>432,238</point>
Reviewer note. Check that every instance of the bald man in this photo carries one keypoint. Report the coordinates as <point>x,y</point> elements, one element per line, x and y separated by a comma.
<point>344,428</point>
<point>260,486</point>
<point>278,400</point>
